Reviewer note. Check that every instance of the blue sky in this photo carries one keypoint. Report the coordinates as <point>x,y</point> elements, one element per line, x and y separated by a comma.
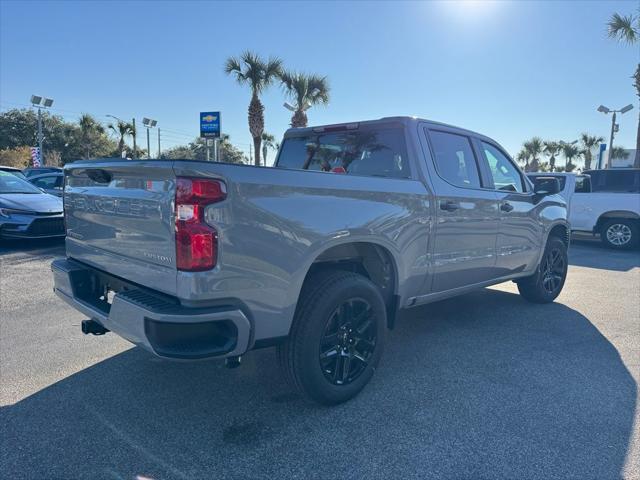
<point>510,70</point>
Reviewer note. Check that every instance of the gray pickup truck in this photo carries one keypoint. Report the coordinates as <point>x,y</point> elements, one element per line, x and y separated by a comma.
<point>194,260</point>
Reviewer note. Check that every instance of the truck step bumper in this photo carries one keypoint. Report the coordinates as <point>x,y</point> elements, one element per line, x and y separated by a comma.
<point>154,322</point>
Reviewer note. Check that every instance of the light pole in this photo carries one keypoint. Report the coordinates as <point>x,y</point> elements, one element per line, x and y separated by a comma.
<point>133,133</point>
<point>614,127</point>
<point>149,123</point>
<point>40,102</point>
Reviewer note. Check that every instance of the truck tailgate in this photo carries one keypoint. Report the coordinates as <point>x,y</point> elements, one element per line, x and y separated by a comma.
<point>120,218</point>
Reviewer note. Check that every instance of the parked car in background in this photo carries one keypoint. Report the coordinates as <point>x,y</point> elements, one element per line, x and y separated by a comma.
<point>51,183</point>
<point>27,212</point>
<point>12,170</point>
<point>195,260</point>
<point>32,171</point>
<point>603,202</point>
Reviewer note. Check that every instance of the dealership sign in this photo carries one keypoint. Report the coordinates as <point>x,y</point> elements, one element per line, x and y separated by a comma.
<point>210,124</point>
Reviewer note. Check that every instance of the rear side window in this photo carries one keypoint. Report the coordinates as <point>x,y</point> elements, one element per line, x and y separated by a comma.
<point>455,160</point>
<point>583,184</point>
<point>622,181</point>
<point>372,152</point>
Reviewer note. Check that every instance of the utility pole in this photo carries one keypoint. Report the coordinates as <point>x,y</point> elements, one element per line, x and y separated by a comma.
<point>250,155</point>
<point>148,145</point>
<point>40,136</point>
<point>613,128</point>
<point>607,110</point>
<point>40,102</point>
<point>158,142</point>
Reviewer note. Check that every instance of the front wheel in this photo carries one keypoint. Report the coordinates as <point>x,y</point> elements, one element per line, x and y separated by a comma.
<point>546,284</point>
<point>619,233</point>
<point>337,337</point>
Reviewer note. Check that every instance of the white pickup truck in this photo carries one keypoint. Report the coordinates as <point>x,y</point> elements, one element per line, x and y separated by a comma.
<point>604,202</point>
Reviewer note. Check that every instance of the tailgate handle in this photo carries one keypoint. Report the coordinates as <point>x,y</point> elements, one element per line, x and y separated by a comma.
<point>99,176</point>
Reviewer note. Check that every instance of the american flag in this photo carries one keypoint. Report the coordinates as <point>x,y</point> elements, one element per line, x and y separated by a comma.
<point>35,156</point>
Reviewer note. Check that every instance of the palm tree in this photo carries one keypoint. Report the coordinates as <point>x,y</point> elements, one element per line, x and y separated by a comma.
<point>626,28</point>
<point>251,70</point>
<point>534,148</point>
<point>89,130</point>
<point>268,141</point>
<point>551,148</point>
<point>523,157</point>
<point>570,151</point>
<point>122,130</point>
<point>618,152</point>
<point>588,142</point>
<point>306,91</point>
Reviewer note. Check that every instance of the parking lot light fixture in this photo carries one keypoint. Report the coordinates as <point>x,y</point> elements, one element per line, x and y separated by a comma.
<point>40,102</point>
<point>607,110</point>
<point>149,123</point>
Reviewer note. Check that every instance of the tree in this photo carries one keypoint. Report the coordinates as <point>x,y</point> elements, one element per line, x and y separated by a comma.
<point>570,151</point>
<point>551,148</point>
<point>196,150</point>
<point>91,132</point>
<point>523,158</point>
<point>626,29</point>
<point>19,157</point>
<point>588,142</point>
<point>268,142</point>
<point>122,130</point>
<point>618,152</point>
<point>306,91</point>
<point>251,70</point>
<point>19,127</point>
<point>533,148</point>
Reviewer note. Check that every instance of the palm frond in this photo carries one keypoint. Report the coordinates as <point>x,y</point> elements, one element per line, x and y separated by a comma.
<point>621,27</point>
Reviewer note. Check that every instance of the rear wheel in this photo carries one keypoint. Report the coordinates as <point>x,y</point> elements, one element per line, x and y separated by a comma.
<point>546,284</point>
<point>336,338</point>
<point>619,233</point>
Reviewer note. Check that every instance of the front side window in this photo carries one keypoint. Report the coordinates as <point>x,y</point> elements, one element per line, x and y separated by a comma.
<point>372,152</point>
<point>504,173</point>
<point>45,182</point>
<point>454,159</point>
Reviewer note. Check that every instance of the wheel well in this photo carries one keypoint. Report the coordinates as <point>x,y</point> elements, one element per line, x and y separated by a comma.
<point>615,214</point>
<point>367,259</point>
<point>562,232</point>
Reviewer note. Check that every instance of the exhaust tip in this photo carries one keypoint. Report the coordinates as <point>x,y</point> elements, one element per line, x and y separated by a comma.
<point>93,327</point>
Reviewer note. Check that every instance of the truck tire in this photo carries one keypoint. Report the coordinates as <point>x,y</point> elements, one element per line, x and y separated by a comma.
<point>546,284</point>
<point>619,233</point>
<point>336,338</point>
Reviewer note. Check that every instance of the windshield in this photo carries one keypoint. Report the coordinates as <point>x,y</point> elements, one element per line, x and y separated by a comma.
<point>10,183</point>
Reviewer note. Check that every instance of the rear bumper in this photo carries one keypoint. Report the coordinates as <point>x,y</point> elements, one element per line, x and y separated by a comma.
<point>153,321</point>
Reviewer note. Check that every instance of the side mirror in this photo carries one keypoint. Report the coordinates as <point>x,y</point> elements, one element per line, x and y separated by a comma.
<point>546,186</point>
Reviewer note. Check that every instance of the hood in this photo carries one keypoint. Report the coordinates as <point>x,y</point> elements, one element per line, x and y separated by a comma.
<point>32,202</point>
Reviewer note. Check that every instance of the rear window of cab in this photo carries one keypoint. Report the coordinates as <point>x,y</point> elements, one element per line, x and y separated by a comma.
<point>377,152</point>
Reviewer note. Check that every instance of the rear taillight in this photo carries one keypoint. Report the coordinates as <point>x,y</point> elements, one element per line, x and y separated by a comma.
<point>196,242</point>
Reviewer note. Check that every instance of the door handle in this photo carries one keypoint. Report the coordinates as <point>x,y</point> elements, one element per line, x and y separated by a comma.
<point>449,206</point>
<point>506,207</point>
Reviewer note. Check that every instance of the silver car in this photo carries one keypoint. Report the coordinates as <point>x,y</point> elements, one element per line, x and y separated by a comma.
<point>28,212</point>
<point>52,183</point>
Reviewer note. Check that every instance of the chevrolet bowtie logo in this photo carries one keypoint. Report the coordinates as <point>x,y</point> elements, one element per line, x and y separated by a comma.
<point>209,118</point>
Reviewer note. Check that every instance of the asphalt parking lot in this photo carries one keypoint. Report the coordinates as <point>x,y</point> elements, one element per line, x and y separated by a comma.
<point>484,386</point>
